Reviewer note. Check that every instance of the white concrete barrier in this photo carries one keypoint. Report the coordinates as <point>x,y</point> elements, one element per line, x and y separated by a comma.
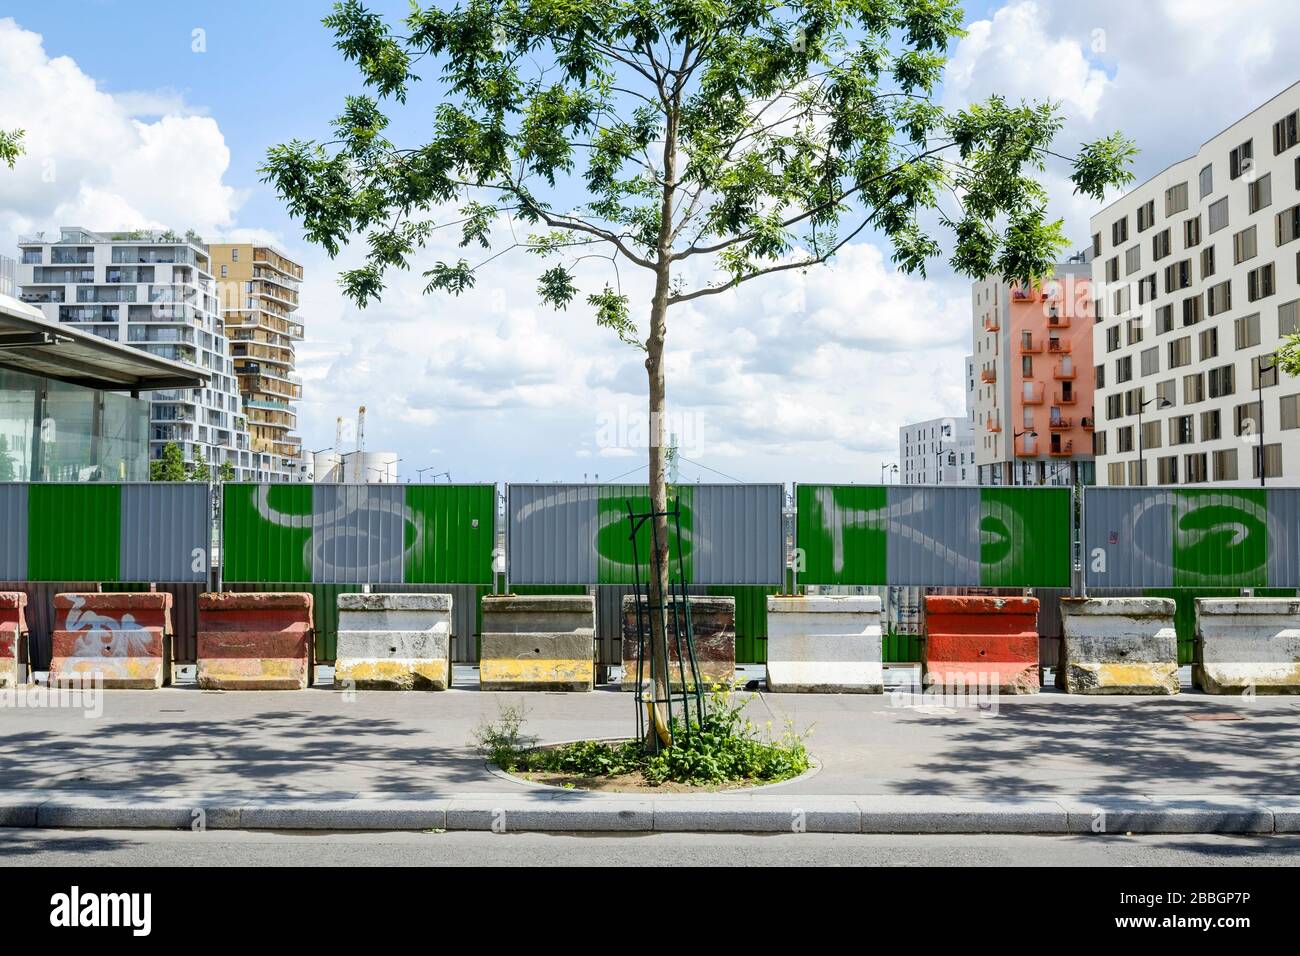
<point>394,642</point>
<point>1118,645</point>
<point>1247,644</point>
<point>824,644</point>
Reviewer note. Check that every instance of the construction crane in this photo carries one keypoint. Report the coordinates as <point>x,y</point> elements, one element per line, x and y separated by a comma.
<point>357,473</point>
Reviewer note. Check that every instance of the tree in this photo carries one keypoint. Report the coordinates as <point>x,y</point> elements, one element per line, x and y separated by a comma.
<point>170,466</point>
<point>226,472</point>
<point>11,146</point>
<point>200,470</point>
<point>707,143</point>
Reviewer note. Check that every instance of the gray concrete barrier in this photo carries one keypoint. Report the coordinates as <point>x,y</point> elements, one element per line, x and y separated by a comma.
<point>1122,645</point>
<point>824,644</point>
<point>713,625</point>
<point>542,642</point>
<point>394,641</point>
<point>1247,644</point>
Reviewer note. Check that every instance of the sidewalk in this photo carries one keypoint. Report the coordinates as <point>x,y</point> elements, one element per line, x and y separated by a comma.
<point>314,758</point>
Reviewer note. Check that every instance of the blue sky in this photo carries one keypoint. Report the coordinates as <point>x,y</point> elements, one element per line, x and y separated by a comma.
<point>800,380</point>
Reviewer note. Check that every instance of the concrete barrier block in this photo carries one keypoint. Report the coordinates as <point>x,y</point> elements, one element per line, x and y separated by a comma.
<point>1124,645</point>
<point>120,638</point>
<point>394,642</point>
<point>255,641</point>
<point>538,642</point>
<point>824,644</point>
<point>981,642</point>
<point>713,625</point>
<point>14,670</point>
<point>1247,644</point>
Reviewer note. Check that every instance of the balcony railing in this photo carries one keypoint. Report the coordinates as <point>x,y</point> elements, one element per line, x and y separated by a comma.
<point>993,424</point>
<point>1063,372</point>
<point>1062,450</point>
<point>1057,321</point>
<point>1088,423</point>
<point>1066,398</point>
<point>992,323</point>
<point>988,376</point>
<point>1060,423</point>
<point>1059,347</point>
<point>1026,447</point>
<point>1032,393</point>
<point>1030,345</point>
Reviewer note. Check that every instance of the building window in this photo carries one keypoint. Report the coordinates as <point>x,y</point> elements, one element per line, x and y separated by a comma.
<point>1180,430</point>
<point>1124,369</point>
<point>1289,411</point>
<point>1115,473</point>
<point>1160,245</point>
<point>1244,245</point>
<point>1099,376</point>
<point>1027,366</point>
<point>1260,193</point>
<point>1192,232</point>
<point>1288,320</point>
<point>1239,160</point>
<point>1288,225</point>
<point>1146,289</point>
<point>1164,319</point>
<point>1167,470</point>
<point>1265,378</point>
<point>1272,461</point>
<point>1221,381</point>
<point>1151,360</point>
<point>1209,344</point>
<point>1211,425</point>
<point>1285,133</point>
<point>1207,262</point>
<point>1193,389</point>
<point>1099,443</point>
<point>1119,231</point>
<point>1146,215</point>
<point>1114,407</point>
<point>225,271</point>
<point>1124,439</point>
<point>1225,465</point>
<point>1112,269</point>
<point>1175,199</point>
<point>1132,260</point>
<point>1096,245</point>
<point>1180,352</point>
<point>1194,468</point>
<point>1167,392</point>
<point>1112,338</point>
<point>1192,310</point>
<point>1133,331</point>
<point>1259,283</point>
<point>1178,276</point>
<point>1206,181</point>
<point>1247,419</point>
<point>1218,298</point>
<point>1218,215</point>
<point>1247,328</point>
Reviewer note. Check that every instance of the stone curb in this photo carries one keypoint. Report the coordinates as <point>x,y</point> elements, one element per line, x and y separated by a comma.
<point>715,813</point>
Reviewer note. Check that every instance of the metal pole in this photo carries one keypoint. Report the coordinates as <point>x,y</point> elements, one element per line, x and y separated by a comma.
<point>1259,398</point>
<point>1142,462</point>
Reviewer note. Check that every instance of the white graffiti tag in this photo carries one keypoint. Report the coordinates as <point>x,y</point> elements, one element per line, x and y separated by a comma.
<point>106,636</point>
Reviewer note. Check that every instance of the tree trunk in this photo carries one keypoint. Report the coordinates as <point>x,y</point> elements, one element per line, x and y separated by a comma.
<point>658,578</point>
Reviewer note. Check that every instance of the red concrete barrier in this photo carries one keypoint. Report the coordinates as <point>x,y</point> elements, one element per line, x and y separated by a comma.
<point>14,670</point>
<point>255,641</point>
<point>123,638</point>
<point>982,641</point>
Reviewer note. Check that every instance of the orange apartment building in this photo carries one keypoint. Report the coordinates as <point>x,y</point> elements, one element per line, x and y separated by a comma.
<point>1033,402</point>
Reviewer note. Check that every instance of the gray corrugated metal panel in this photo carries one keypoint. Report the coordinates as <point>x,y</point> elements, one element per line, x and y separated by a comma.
<point>1284,537</point>
<point>358,533</point>
<point>165,532</point>
<point>464,614</point>
<point>551,535</point>
<point>737,534</point>
<point>1128,537</point>
<point>609,622</point>
<point>13,531</point>
<point>933,536</point>
<point>39,613</point>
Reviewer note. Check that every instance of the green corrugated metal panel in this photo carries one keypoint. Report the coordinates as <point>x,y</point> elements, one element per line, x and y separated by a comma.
<point>751,620</point>
<point>74,532</point>
<point>549,589</point>
<point>1221,536</point>
<point>896,648</point>
<point>1185,611</point>
<point>266,533</point>
<point>455,537</point>
<point>614,555</point>
<point>860,555</point>
<point>1025,537</point>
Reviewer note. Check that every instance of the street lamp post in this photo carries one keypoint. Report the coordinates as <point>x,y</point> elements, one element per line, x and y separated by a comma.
<point>1142,456</point>
<point>1259,425</point>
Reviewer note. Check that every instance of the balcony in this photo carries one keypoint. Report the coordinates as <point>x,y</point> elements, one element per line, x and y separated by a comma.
<point>1058,347</point>
<point>1055,320</point>
<point>1026,447</point>
<point>1028,345</point>
<point>988,376</point>
<point>1032,393</point>
<point>992,323</point>
<point>993,424</point>
<point>1063,372</point>
<point>1019,294</point>
<point>1066,398</point>
<point>1062,449</point>
<point>1088,423</point>
<point>1060,423</point>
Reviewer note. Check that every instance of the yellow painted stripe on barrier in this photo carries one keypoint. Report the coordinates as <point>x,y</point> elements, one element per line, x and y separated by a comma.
<point>391,671</point>
<point>536,671</point>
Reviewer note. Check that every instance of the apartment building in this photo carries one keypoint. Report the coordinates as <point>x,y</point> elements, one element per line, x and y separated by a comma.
<point>1033,401</point>
<point>1198,279</point>
<point>936,452</point>
<point>154,291</point>
<point>258,287</point>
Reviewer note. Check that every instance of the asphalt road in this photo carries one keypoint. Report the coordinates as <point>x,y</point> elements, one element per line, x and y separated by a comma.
<point>242,848</point>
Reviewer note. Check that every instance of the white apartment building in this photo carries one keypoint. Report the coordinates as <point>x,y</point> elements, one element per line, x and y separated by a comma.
<point>1196,280</point>
<point>939,451</point>
<point>153,291</point>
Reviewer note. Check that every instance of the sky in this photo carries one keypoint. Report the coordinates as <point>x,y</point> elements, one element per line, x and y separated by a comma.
<point>158,114</point>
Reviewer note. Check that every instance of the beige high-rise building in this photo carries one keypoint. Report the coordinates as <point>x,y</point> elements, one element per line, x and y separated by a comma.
<point>258,287</point>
